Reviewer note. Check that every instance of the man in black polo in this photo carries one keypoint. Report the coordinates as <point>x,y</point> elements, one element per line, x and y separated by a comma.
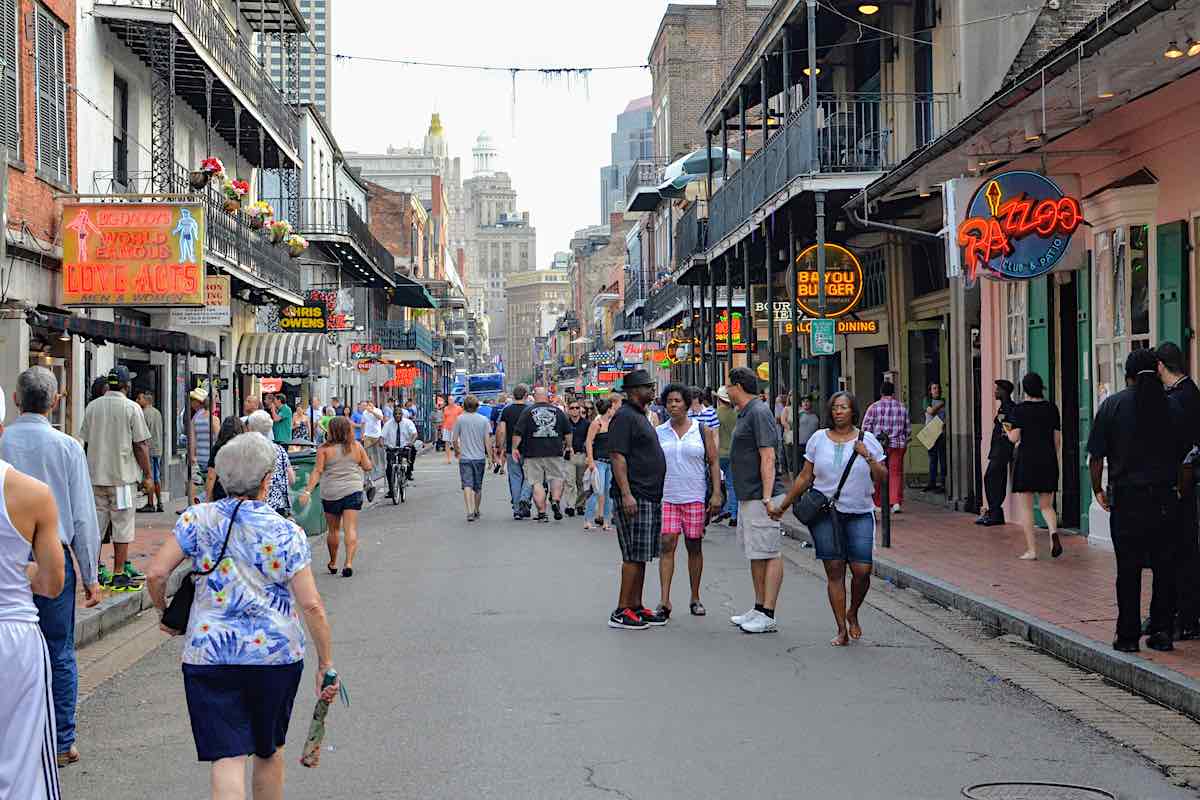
<point>1183,394</point>
<point>1135,431</point>
<point>995,478</point>
<point>639,469</point>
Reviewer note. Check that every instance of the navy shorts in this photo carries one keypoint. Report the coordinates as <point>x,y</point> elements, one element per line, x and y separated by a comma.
<point>471,473</point>
<point>858,531</point>
<point>240,710</point>
<point>351,502</point>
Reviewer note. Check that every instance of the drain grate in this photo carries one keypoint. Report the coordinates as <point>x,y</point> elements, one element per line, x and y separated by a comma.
<point>1034,790</point>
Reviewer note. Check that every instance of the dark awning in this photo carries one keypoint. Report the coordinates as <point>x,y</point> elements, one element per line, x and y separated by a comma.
<point>411,294</point>
<point>139,336</point>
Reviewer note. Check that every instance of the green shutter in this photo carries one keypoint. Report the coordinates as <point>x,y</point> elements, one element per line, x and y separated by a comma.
<point>1037,352</point>
<point>1173,283</point>
<point>1083,288</point>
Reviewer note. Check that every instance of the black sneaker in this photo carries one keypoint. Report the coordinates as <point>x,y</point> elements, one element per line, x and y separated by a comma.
<point>541,517</point>
<point>652,617</point>
<point>523,510</point>
<point>570,511</point>
<point>146,509</point>
<point>558,515</point>
<point>627,619</point>
<point>1160,641</point>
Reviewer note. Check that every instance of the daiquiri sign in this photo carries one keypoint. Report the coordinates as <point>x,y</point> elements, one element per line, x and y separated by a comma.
<point>1018,225</point>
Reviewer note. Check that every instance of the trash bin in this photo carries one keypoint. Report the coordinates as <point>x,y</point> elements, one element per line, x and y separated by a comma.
<point>310,517</point>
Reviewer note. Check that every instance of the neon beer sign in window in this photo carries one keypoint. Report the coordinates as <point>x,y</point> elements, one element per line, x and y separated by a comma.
<point>1018,225</point>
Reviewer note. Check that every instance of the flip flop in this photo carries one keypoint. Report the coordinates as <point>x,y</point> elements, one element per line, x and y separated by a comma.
<point>698,609</point>
<point>332,568</point>
<point>663,611</point>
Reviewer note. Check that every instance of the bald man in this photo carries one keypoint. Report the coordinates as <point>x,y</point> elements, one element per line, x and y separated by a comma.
<point>542,442</point>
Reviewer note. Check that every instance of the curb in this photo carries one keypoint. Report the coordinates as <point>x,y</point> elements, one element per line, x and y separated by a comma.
<point>95,623</point>
<point>1166,686</point>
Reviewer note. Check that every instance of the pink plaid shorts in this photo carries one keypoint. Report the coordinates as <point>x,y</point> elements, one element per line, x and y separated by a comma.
<point>685,518</point>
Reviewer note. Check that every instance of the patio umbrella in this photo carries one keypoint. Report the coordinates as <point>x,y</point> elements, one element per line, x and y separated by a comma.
<point>692,167</point>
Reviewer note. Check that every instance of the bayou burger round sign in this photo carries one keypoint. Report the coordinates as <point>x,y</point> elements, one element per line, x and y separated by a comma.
<point>843,281</point>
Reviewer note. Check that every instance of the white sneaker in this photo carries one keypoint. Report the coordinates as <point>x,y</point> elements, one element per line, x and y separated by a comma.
<point>742,619</point>
<point>760,624</point>
<point>895,508</point>
<point>876,509</point>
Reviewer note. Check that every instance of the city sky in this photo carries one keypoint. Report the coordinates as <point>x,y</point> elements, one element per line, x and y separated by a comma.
<point>562,124</point>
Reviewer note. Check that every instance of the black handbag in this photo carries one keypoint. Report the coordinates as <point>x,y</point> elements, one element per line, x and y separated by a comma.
<point>179,610</point>
<point>813,504</point>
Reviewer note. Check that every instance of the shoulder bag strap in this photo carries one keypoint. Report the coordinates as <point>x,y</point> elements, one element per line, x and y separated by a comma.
<point>846,471</point>
<point>225,544</point>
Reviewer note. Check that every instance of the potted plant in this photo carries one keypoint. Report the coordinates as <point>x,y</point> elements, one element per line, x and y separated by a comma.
<point>209,167</point>
<point>234,190</point>
<point>260,213</point>
<point>280,229</point>
<point>296,244</point>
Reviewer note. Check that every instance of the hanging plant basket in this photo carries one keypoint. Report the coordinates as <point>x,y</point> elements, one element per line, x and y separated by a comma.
<point>198,179</point>
<point>296,245</point>
<point>232,206</point>
<point>295,250</point>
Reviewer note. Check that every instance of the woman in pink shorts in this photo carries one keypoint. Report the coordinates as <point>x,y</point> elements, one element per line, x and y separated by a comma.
<point>693,473</point>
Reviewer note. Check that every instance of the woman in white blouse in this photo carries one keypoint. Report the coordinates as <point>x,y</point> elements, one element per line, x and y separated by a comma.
<point>693,473</point>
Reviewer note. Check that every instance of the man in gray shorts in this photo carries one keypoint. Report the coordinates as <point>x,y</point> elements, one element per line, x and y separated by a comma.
<point>472,442</point>
<point>756,481</point>
<point>542,438</point>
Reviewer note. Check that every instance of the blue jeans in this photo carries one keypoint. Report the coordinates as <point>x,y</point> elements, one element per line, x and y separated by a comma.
<point>56,618</point>
<point>518,490</point>
<point>937,462</point>
<point>730,494</point>
<point>604,471</point>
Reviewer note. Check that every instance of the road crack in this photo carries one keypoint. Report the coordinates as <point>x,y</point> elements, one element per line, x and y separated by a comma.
<point>589,780</point>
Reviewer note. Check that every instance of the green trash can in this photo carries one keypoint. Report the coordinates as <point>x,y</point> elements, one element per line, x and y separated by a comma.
<point>310,517</point>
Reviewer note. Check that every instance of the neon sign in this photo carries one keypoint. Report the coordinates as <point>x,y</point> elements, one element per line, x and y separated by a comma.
<point>843,281</point>
<point>1018,225</point>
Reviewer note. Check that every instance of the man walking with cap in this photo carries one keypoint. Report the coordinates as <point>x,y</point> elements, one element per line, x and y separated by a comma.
<point>1000,454</point>
<point>118,445</point>
<point>639,470</point>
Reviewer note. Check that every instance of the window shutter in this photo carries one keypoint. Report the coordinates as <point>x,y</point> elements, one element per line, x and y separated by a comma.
<point>10,114</point>
<point>1173,283</point>
<point>51,97</point>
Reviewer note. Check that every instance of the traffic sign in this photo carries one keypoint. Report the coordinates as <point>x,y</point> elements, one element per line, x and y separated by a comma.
<point>823,337</point>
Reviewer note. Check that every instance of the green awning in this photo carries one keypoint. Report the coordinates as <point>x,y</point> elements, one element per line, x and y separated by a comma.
<point>411,294</point>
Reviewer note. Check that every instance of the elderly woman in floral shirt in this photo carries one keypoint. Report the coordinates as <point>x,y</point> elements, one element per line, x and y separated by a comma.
<point>283,476</point>
<point>243,653</point>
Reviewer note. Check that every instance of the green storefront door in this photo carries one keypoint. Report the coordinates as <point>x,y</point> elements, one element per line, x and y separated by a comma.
<point>1173,284</point>
<point>1083,284</point>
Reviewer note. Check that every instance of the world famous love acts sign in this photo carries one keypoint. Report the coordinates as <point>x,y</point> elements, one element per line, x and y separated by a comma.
<point>133,254</point>
<point>1017,225</point>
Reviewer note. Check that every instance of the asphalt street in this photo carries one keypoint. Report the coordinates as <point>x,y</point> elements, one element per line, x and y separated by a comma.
<point>480,666</point>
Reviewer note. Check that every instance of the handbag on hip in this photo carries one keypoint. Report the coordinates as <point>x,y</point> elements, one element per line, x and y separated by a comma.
<point>179,610</point>
<point>813,504</point>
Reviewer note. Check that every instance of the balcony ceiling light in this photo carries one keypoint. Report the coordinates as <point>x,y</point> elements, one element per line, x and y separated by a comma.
<point>1104,88</point>
<point>868,9</point>
<point>808,72</point>
<point>1193,47</point>
<point>1033,126</point>
<point>1173,50</point>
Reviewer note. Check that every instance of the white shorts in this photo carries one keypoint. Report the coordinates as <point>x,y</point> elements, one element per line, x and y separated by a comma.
<point>27,735</point>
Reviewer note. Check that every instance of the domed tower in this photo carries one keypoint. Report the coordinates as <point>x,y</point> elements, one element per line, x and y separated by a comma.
<point>485,154</point>
<point>435,139</point>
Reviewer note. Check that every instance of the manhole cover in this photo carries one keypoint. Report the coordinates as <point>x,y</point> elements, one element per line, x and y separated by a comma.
<point>1034,790</point>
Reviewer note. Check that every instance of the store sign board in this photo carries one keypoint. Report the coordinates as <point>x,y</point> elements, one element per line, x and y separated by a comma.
<point>271,385</point>
<point>366,350</point>
<point>308,318</point>
<point>843,281</point>
<point>722,332</point>
<point>602,357</point>
<point>823,337</point>
<point>285,370</point>
<point>845,326</point>
<point>782,307</point>
<point>1017,225</point>
<point>406,376</point>
<point>214,312</point>
<point>339,307</point>
<point>635,352</point>
<point>610,376</point>
<point>133,254</point>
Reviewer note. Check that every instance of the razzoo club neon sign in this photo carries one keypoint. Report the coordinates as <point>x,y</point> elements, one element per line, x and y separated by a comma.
<point>1018,225</point>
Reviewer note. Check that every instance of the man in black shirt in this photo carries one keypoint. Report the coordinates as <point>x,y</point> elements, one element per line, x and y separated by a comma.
<point>995,478</point>
<point>1134,431</point>
<point>540,442</point>
<point>1183,394</point>
<point>518,490</point>
<point>579,429</point>
<point>639,469</point>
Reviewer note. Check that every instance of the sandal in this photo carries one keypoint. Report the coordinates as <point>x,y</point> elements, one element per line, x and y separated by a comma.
<point>332,567</point>
<point>663,611</point>
<point>698,609</point>
<point>348,572</point>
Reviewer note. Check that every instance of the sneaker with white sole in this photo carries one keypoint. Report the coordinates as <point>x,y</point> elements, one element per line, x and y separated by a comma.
<point>742,619</point>
<point>760,624</point>
<point>895,508</point>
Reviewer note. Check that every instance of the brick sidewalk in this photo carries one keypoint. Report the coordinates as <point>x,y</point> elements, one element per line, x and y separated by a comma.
<point>1075,591</point>
<point>152,529</point>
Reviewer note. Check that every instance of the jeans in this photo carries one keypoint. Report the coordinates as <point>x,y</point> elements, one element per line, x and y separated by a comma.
<point>1145,527</point>
<point>937,462</point>
<point>56,618</point>
<point>730,494</point>
<point>518,489</point>
<point>604,473</point>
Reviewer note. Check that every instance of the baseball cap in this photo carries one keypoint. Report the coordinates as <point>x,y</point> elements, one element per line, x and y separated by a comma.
<point>120,375</point>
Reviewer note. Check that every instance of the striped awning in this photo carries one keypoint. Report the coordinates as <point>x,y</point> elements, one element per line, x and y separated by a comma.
<point>282,355</point>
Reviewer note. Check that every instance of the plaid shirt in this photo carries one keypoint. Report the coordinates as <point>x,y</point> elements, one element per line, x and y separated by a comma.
<point>888,415</point>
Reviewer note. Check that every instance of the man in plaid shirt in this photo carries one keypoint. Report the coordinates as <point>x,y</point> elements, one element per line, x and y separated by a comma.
<point>888,416</point>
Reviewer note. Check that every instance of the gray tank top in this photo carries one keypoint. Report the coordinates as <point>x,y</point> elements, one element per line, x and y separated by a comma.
<point>342,476</point>
<point>16,596</point>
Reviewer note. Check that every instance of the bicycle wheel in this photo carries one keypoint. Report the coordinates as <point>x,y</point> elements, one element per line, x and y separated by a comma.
<point>397,483</point>
<point>401,482</point>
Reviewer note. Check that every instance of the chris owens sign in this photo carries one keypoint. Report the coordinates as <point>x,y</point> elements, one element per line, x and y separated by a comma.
<point>133,254</point>
<point>1017,225</point>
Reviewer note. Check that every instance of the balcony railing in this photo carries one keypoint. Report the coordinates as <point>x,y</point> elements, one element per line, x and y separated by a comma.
<point>395,335</point>
<point>329,216</point>
<point>664,303</point>
<point>206,21</point>
<point>635,289</point>
<point>865,133</point>
<point>226,235</point>
<point>642,173</point>
<point>691,234</point>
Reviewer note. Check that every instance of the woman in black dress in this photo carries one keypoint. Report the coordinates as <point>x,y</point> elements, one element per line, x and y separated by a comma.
<point>1035,429</point>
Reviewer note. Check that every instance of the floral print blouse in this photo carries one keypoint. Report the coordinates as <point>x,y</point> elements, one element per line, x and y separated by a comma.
<point>277,491</point>
<point>243,612</point>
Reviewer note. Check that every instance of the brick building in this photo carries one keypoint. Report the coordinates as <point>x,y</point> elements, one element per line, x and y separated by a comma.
<point>398,221</point>
<point>536,299</point>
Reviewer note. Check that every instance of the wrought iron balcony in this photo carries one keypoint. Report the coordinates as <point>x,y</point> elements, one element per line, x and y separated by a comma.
<point>226,236</point>
<point>664,303</point>
<point>334,221</point>
<point>191,42</point>
<point>691,234</point>
<point>641,185</point>
<point>395,335</point>
<point>635,289</point>
<point>856,133</point>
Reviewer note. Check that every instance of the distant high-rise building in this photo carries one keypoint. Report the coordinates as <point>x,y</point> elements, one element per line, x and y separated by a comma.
<point>316,66</point>
<point>632,141</point>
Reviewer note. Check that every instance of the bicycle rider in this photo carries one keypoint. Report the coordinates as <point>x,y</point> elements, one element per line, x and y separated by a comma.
<point>399,438</point>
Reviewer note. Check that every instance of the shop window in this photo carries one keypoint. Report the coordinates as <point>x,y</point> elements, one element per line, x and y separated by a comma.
<point>928,269</point>
<point>1122,302</point>
<point>874,278</point>
<point>1016,330</point>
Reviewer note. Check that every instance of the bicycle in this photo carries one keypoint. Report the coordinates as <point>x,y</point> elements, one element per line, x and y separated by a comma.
<point>397,470</point>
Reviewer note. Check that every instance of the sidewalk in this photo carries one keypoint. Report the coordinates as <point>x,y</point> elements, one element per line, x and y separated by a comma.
<point>1066,606</point>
